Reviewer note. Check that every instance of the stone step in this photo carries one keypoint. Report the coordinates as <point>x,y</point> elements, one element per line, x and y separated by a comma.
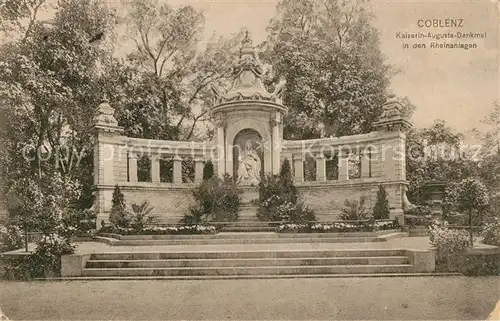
<point>381,260</point>
<point>249,235</point>
<point>252,277</point>
<point>267,270</point>
<point>237,240</point>
<point>248,229</point>
<point>247,224</point>
<point>301,254</point>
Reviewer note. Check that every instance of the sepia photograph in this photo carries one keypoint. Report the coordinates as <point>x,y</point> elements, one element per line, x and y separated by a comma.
<point>249,160</point>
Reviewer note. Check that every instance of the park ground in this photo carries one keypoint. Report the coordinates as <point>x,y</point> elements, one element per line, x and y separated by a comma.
<point>387,298</point>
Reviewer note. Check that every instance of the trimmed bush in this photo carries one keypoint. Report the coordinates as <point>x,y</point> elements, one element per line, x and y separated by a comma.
<point>119,215</point>
<point>208,170</point>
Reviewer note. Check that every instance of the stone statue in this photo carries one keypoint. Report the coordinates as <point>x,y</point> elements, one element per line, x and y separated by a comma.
<point>249,166</point>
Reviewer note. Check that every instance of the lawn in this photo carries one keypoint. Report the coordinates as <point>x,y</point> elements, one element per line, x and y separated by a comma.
<point>425,298</point>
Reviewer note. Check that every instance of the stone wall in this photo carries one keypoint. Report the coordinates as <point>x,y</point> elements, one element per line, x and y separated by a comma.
<point>170,203</point>
<point>328,199</point>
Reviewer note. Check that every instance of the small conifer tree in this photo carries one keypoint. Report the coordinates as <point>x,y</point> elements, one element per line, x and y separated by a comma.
<point>381,209</point>
<point>118,211</point>
<point>288,190</point>
<point>208,170</point>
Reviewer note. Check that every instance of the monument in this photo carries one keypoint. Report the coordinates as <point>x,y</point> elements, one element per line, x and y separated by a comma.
<point>248,145</point>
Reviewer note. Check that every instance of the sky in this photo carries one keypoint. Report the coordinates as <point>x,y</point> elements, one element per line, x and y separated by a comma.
<point>456,85</point>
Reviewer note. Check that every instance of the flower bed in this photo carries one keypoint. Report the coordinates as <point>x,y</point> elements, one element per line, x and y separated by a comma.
<point>352,226</point>
<point>162,230</point>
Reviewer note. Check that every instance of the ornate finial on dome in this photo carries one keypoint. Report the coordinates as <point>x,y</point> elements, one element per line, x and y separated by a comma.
<point>105,99</point>
<point>247,41</point>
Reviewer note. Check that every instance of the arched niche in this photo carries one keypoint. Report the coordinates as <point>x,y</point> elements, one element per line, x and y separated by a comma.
<point>241,138</point>
<point>261,126</point>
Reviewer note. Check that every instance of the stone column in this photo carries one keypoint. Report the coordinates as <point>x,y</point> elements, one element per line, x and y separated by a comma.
<point>155,169</point>
<point>132,167</point>
<point>298,164</point>
<point>198,170</point>
<point>177,179</point>
<point>320,167</point>
<point>276,143</point>
<point>343,167</point>
<point>366,164</point>
<point>221,148</point>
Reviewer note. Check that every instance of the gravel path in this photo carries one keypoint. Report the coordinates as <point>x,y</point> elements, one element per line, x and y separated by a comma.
<point>417,298</point>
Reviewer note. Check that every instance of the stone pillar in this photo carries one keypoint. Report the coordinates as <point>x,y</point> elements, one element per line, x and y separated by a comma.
<point>220,144</point>
<point>276,143</point>
<point>298,164</point>
<point>366,164</point>
<point>132,167</point>
<point>155,169</point>
<point>320,167</point>
<point>177,179</point>
<point>343,167</point>
<point>199,164</point>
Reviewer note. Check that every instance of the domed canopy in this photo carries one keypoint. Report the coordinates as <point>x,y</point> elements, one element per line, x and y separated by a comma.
<point>247,82</point>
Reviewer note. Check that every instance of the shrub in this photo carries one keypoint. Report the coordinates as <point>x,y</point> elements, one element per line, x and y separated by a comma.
<point>140,215</point>
<point>297,212</point>
<point>468,197</point>
<point>46,259</point>
<point>119,215</point>
<point>278,198</point>
<point>450,245</point>
<point>381,209</point>
<point>11,238</point>
<point>215,200</point>
<point>420,210</point>
<point>491,232</point>
<point>208,170</point>
<point>83,221</point>
<point>354,210</point>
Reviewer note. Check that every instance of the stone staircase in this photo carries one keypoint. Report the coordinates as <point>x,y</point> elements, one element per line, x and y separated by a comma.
<point>248,264</point>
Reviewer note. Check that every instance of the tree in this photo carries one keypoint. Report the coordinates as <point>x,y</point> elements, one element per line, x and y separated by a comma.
<point>489,155</point>
<point>208,170</point>
<point>50,79</point>
<point>328,53</point>
<point>162,87</point>
<point>468,197</point>
<point>381,208</point>
<point>435,153</point>
<point>17,17</point>
<point>119,215</point>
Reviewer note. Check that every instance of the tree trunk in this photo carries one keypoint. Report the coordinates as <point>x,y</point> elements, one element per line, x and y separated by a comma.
<point>470,230</point>
<point>25,237</point>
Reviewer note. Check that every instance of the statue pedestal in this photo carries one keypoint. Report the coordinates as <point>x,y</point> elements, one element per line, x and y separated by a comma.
<point>249,193</point>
